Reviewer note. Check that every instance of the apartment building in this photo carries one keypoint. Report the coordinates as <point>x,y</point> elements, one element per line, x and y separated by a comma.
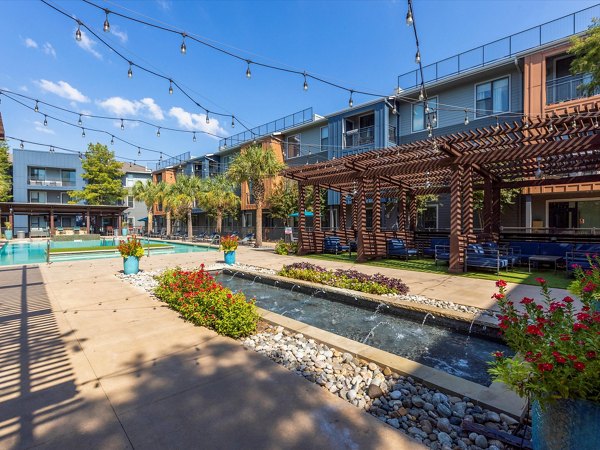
<point>136,210</point>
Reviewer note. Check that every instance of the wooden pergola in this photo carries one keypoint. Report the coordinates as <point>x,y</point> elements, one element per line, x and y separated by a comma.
<point>566,149</point>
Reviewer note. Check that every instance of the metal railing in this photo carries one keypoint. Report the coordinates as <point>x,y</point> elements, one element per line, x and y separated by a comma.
<point>392,137</point>
<point>359,137</point>
<point>57,183</point>
<point>503,48</point>
<point>292,120</point>
<point>568,88</point>
<point>173,161</point>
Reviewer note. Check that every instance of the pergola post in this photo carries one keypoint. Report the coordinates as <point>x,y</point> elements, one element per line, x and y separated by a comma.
<point>360,214</point>
<point>454,265</point>
<point>87,221</point>
<point>342,211</point>
<point>301,218</point>
<point>376,206</point>
<point>496,211</point>
<point>317,208</point>
<point>51,222</point>
<point>402,210</point>
<point>467,206</point>
<point>412,212</point>
<point>491,208</point>
<point>353,211</point>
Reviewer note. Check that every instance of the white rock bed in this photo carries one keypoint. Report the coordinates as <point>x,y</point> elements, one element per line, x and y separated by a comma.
<point>426,415</point>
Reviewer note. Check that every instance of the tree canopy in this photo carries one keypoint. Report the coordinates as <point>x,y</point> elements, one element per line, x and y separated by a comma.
<point>148,193</point>
<point>587,57</point>
<point>218,198</point>
<point>103,175</point>
<point>5,173</point>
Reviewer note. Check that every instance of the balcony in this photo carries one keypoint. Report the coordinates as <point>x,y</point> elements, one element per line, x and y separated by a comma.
<point>567,88</point>
<point>362,137</point>
<point>51,183</point>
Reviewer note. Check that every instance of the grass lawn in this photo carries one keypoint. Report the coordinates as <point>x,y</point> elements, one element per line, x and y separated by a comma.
<point>98,247</point>
<point>518,275</point>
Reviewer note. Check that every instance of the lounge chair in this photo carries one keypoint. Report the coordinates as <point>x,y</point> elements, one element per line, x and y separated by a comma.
<point>397,247</point>
<point>331,244</point>
<point>247,240</point>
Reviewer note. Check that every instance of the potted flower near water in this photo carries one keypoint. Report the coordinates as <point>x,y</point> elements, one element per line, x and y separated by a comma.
<point>131,250</point>
<point>229,245</point>
<point>124,228</point>
<point>8,231</point>
<point>557,362</point>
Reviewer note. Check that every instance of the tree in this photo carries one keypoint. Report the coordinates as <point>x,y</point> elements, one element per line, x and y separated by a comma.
<point>254,166</point>
<point>163,198</point>
<point>5,173</point>
<point>218,198</point>
<point>284,200</point>
<point>103,175</point>
<point>183,196</point>
<point>148,193</point>
<point>587,56</point>
<point>507,197</point>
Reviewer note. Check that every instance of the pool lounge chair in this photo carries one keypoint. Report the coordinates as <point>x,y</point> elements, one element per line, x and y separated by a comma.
<point>331,244</point>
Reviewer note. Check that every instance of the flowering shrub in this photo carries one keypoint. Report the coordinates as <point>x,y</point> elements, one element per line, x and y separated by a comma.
<point>557,346</point>
<point>201,300</point>
<point>346,279</point>
<point>587,282</point>
<point>229,243</point>
<point>131,247</point>
<point>285,248</point>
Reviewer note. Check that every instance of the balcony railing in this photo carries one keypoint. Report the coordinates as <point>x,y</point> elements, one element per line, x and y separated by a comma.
<point>52,183</point>
<point>567,88</point>
<point>392,138</point>
<point>504,48</point>
<point>359,137</point>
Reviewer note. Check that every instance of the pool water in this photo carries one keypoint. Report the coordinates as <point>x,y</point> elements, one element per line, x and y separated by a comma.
<point>432,345</point>
<point>35,252</point>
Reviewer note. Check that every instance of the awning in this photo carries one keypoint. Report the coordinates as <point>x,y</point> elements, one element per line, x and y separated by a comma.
<point>143,219</point>
<point>306,214</point>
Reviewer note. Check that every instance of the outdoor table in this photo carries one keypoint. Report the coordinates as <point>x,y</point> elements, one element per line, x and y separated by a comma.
<point>544,258</point>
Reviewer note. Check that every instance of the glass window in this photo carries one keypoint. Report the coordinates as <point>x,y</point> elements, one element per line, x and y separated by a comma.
<point>37,174</point>
<point>130,201</point>
<point>428,217</point>
<point>491,97</point>
<point>293,146</point>
<point>65,197</point>
<point>37,197</point>
<point>324,138</point>
<point>420,119</point>
<point>68,177</point>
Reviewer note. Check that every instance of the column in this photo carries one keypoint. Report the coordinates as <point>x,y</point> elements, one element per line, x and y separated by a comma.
<point>377,206</point>
<point>51,222</point>
<point>412,212</point>
<point>455,265</point>
<point>487,206</point>
<point>528,213</point>
<point>402,210</point>
<point>496,210</point>
<point>317,207</point>
<point>11,220</point>
<point>467,206</point>
<point>360,200</point>
<point>87,221</point>
<point>343,224</point>
<point>301,219</point>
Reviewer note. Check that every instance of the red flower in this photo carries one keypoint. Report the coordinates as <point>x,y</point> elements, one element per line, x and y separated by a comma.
<point>500,283</point>
<point>565,337</point>
<point>560,359</point>
<point>499,355</point>
<point>568,299</point>
<point>526,301</point>
<point>572,357</point>
<point>534,330</point>
<point>591,354</point>
<point>580,326</point>
<point>545,367</point>
<point>583,316</point>
<point>498,296</point>
<point>540,280</point>
<point>589,287</point>
<point>579,366</point>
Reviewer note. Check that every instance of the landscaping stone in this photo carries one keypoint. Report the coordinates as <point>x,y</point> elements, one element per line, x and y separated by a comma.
<point>443,424</point>
<point>374,391</point>
<point>481,441</point>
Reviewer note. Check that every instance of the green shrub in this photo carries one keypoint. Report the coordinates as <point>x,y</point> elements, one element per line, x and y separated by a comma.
<point>201,300</point>
<point>286,248</point>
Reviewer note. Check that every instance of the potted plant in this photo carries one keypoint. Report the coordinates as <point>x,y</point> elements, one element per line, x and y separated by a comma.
<point>124,228</point>
<point>8,231</point>
<point>229,245</point>
<point>131,250</point>
<point>557,362</point>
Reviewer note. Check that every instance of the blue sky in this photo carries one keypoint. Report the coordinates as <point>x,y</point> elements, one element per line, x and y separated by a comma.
<point>359,44</point>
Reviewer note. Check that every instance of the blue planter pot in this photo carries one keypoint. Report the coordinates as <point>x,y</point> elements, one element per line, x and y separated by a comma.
<point>124,231</point>
<point>131,265</point>
<point>566,424</point>
<point>229,258</point>
<point>8,234</point>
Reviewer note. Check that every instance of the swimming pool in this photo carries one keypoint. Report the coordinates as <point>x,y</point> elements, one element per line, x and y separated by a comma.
<point>35,252</point>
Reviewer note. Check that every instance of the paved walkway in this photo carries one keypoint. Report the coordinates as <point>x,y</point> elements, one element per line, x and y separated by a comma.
<point>88,361</point>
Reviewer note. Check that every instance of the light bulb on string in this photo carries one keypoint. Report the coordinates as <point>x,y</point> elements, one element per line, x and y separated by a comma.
<point>122,125</point>
<point>21,145</point>
<point>427,109</point>
<point>466,118</point>
<point>421,95</point>
<point>106,27</point>
<point>248,73</point>
<point>207,118</point>
<point>36,108</point>
<point>45,120</point>
<point>350,101</point>
<point>538,172</point>
<point>194,137</point>
<point>112,140</point>
<point>232,121</point>
<point>158,132</point>
<point>83,132</point>
<point>497,124</point>
<point>160,157</point>
<point>418,57</point>
<point>183,47</point>
<point>78,32</point>
<point>170,87</point>
<point>130,71</point>
<point>409,18</point>
<point>139,152</point>
<point>305,86</point>
<point>79,122</point>
<point>51,149</point>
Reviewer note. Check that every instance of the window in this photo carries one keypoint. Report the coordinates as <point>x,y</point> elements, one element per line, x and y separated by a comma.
<point>420,118</point>
<point>38,197</point>
<point>428,218</point>
<point>491,97</point>
<point>366,121</point>
<point>129,201</point>
<point>324,138</point>
<point>65,198</point>
<point>68,177</point>
<point>293,146</point>
<point>37,174</point>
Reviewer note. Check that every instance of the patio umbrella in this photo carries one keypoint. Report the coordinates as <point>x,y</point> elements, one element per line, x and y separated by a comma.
<point>306,214</point>
<point>143,219</point>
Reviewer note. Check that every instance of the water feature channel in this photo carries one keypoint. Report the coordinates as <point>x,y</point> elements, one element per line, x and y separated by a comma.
<point>420,339</point>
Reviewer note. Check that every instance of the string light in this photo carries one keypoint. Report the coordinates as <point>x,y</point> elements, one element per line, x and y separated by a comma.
<point>160,157</point>
<point>194,137</point>
<point>112,140</point>
<point>51,149</point>
<point>106,27</point>
<point>418,57</point>
<point>83,132</point>
<point>122,125</point>
<point>497,126</point>
<point>78,32</point>
<point>538,172</point>
<point>232,121</point>
<point>183,46</point>
<point>248,73</point>
<point>45,120</point>
<point>305,86</point>
<point>550,128</point>
<point>207,118</point>
<point>79,122</point>
<point>170,87</point>
<point>140,152</point>
<point>36,107</point>
<point>421,94</point>
<point>350,101</point>
<point>158,132</point>
<point>130,71</point>
<point>21,145</point>
<point>466,118</point>
<point>409,17</point>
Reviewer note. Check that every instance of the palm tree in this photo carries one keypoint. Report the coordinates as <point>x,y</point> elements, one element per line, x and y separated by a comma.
<point>183,196</point>
<point>163,197</point>
<point>218,198</point>
<point>148,193</point>
<point>254,165</point>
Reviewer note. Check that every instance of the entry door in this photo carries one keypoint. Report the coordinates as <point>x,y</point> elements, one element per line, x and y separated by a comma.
<point>563,215</point>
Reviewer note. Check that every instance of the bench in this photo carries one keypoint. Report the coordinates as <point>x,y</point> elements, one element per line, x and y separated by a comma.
<point>397,247</point>
<point>331,244</point>
<point>479,257</point>
<point>430,251</point>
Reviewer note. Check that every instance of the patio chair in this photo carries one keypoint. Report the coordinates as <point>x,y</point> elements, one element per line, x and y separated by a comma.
<point>331,244</point>
<point>430,251</point>
<point>397,247</point>
<point>480,258</point>
<point>247,240</point>
<point>76,230</point>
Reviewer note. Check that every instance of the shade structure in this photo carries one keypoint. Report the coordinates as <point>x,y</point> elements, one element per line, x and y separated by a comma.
<point>306,213</point>
<point>143,219</point>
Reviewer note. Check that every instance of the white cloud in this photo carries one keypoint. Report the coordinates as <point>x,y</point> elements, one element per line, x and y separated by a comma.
<point>165,5</point>
<point>30,43</point>
<point>122,35</point>
<point>122,107</point>
<point>196,122</point>
<point>49,50</point>
<point>39,126</point>
<point>24,88</point>
<point>64,90</point>
<point>88,44</point>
